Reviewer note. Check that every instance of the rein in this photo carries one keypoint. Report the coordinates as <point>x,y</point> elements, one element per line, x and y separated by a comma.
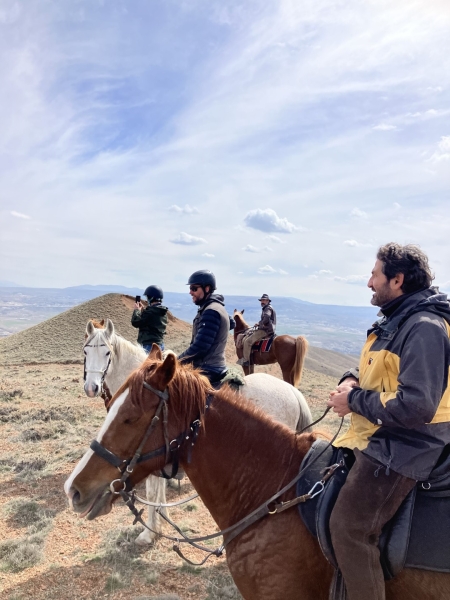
<point>126,467</point>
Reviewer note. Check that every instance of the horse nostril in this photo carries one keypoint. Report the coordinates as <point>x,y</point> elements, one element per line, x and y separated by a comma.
<point>75,498</point>
<point>95,388</point>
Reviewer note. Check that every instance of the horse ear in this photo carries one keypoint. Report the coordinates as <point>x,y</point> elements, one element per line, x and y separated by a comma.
<point>90,328</point>
<point>109,329</point>
<point>242,311</point>
<point>165,372</point>
<point>155,352</point>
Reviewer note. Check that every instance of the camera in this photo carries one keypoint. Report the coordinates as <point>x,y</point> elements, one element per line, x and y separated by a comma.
<point>138,298</point>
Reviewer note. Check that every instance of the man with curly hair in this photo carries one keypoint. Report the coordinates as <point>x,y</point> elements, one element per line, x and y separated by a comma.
<point>399,401</point>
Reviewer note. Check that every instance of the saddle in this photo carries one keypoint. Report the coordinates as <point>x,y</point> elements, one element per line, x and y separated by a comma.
<point>264,345</point>
<point>416,537</point>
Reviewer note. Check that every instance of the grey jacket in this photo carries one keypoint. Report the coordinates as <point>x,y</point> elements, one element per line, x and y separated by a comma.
<point>268,319</point>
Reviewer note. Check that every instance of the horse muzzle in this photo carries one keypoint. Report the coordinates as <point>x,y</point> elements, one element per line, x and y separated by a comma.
<point>96,505</point>
<point>91,389</point>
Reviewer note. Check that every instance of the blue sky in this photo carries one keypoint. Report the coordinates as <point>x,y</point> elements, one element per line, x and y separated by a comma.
<point>276,143</point>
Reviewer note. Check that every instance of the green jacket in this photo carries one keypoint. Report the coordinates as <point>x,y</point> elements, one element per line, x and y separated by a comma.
<point>152,324</point>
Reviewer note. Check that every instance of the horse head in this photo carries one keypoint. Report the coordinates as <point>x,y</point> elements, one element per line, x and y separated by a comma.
<point>241,325</point>
<point>97,350</point>
<point>154,388</point>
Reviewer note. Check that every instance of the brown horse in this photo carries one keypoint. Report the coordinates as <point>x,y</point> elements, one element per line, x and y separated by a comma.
<point>240,459</point>
<point>288,351</point>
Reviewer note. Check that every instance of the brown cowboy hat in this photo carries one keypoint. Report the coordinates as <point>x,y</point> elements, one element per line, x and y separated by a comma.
<point>264,297</point>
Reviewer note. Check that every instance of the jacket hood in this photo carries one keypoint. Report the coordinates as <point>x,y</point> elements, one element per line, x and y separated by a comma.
<point>213,298</point>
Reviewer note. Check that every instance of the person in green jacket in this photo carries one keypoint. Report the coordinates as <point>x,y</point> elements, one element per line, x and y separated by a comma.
<point>151,320</point>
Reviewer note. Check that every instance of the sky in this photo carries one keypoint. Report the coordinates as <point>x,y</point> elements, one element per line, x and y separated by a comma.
<point>276,143</point>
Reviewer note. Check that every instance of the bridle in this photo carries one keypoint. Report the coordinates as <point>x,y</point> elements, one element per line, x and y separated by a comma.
<point>170,448</point>
<point>126,467</point>
<point>104,389</point>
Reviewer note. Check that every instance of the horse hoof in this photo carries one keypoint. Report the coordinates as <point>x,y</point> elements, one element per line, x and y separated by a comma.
<point>144,539</point>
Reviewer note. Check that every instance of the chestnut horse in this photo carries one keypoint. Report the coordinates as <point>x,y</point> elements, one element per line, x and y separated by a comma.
<point>240,459</point>
<point>288,351</point>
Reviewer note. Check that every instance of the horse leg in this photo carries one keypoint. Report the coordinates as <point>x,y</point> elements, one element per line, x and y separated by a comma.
<point>155,488</point>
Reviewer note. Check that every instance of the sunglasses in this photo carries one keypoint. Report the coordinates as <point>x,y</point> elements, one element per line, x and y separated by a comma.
<point>194,288</point>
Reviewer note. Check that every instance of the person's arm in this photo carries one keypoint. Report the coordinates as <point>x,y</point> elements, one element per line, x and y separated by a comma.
<point>350,376</point>
<point>423,377</point>
<point>206,335</point>
<point>136,317</point>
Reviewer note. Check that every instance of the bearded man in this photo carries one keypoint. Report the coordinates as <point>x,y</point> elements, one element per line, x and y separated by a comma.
<point>399,403</point>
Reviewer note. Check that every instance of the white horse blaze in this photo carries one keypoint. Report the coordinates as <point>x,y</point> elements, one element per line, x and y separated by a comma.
<point>104,428</point>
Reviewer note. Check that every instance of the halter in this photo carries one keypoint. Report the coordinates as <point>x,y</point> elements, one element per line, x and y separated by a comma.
<point>104,389</point>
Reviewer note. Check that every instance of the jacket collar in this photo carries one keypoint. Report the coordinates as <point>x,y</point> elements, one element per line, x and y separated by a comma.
<point>396,312</point>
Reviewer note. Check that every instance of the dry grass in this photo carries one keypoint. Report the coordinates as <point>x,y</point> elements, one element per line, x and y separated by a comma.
<point>46,422</point>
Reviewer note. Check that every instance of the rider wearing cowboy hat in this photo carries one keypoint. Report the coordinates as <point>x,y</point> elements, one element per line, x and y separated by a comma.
<point>265,328</point>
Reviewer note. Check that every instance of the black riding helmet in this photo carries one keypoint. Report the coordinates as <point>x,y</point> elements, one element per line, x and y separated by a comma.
<point>203,278</point>
<point>153,293</point>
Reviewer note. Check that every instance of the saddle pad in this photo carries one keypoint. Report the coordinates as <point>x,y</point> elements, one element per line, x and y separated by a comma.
<point>417,537</point>
<point>263,345</point>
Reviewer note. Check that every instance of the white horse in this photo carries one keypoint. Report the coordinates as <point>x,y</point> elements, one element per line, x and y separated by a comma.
<point>111,358</point>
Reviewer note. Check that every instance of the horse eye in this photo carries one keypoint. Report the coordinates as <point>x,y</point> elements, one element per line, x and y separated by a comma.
<point>108,353</point>
<point>85,352</point>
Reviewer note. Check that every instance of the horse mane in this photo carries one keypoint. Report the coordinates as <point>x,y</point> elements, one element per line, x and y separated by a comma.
<point>188,382</point>
<point>240,320</point>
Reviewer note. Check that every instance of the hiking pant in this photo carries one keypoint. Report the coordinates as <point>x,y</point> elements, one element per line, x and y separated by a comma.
<point>368,499</point>
<point>251,339</point>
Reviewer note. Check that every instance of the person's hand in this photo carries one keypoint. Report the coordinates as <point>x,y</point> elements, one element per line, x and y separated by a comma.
<point>138,305</point>
<point>338,399</point>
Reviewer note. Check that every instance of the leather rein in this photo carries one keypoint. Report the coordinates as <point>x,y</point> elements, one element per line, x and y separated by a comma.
<point>171,451</point>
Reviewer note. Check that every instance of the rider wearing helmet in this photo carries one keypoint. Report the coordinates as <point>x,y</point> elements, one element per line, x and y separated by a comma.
<point>210,327</point>
<point>151,320</point>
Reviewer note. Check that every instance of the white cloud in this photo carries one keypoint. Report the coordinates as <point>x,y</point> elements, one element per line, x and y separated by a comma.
<point>250,248</point>
<point>267,249</point>
<point>19,215</point>
<point>384,127</point>
<point>397,206</point>
<point>443,150</point>
<point>188,240</point>
<point>268,270</point>
<point>187,209</point>
<point>325,272</point>
<point>352,243</point>
<point>268,220</point>
<point>208,255</point>
<point>358,213</point>
<point>353,279</point>
<point>275,239</point>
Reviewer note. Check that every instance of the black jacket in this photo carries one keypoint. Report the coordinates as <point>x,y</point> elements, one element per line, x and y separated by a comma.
<point>152,324</point>
<point>401,411</point>
<point>209,335</point>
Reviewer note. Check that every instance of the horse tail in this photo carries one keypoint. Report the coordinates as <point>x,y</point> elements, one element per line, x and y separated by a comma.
<point>301,346</point>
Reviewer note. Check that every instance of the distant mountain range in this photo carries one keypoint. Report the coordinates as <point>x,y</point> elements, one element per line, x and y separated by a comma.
<point>333,327</point>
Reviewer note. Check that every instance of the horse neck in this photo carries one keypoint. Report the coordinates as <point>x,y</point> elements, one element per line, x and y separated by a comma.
<point>241,459</point>
<point>241,325</point>
<point>126,357</point>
